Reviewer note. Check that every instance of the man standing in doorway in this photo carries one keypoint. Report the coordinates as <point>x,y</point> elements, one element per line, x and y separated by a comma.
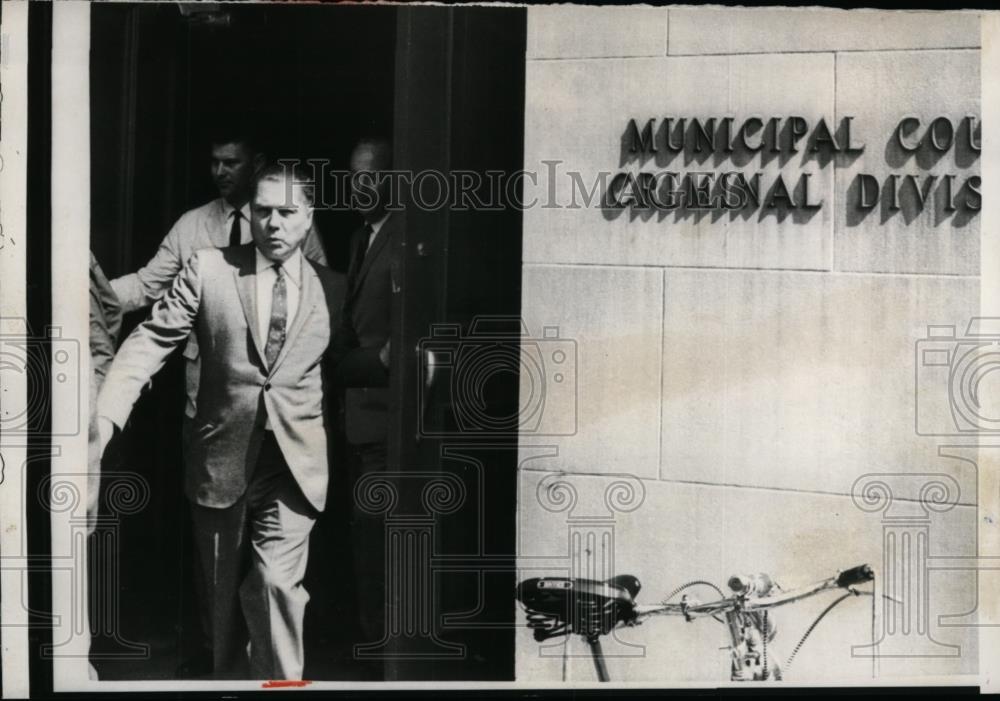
<point>224,221</point>
<point>256,460</point>
<point>362,369</point>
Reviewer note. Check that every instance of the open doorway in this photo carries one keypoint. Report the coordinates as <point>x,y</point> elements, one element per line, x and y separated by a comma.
<point>309,78</point>
<point>446,85</point>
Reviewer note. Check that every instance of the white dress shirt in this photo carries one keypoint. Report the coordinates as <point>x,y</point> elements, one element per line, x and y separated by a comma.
<point>375,227</point>
<point>266,275</point>
<point>207,226</point>
<point>244,212</point>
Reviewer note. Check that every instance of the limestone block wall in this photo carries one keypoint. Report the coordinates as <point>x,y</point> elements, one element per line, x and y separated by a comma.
<point>738,372</point>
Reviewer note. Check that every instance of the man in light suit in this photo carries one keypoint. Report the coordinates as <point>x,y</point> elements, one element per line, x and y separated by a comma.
<point>363,346</point>
<point>224,221</point>
<point>105,325</point>
<point>236,159</point>
<point>256,464</point>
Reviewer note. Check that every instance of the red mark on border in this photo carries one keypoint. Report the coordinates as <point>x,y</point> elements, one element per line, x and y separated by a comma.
<point>284,684</point>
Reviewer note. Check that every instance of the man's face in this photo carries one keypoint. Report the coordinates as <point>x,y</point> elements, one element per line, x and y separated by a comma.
<point>280,218</point>
<point>367,193</point>
<point>233,170</point>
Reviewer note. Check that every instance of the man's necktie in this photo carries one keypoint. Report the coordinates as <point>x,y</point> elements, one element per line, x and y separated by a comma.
<point>279,314</point>
<point>234,233</point>
<point>355,270</point>
<point>359,255</point>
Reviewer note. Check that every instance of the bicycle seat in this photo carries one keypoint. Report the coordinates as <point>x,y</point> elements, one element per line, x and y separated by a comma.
<point>562,605</point>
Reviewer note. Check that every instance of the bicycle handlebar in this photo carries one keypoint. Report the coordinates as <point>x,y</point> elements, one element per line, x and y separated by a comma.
<point>854,576</point>
<point>562,605</point>
<point>558,605</point>
<point>844,580</point>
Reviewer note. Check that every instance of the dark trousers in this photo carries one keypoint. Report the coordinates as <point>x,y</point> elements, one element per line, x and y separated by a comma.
<point>368,546</point>
<point>253,558</point>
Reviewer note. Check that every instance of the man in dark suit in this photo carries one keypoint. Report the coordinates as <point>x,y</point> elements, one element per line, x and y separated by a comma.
<point>363,364</point>
<point>256,464</point>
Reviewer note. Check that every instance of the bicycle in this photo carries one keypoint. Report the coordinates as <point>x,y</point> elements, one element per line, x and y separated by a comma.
<point>562,606</point>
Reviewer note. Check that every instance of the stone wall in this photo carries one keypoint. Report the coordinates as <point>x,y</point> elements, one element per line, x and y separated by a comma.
<point>738,372</point>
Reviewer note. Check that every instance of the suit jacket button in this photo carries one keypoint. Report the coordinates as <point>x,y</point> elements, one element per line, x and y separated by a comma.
<point>267,386</point>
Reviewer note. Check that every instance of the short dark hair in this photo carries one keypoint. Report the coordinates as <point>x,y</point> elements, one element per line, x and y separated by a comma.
<point>235,132</point>
<point>281,171</point>
<point>380,145</point>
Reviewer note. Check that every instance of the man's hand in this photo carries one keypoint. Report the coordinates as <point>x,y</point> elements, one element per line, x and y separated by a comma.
<point>430,367</point>
<point>383,354</point>
<point>106,429</point>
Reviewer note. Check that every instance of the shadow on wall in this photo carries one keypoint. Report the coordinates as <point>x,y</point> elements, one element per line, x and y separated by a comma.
<point>941,198</point>
<point>925,146</point>
<point>951,199</point>
<point>672,197</point>
<point>688,145</point>
<point>738,143</point>
<point>711,155</point>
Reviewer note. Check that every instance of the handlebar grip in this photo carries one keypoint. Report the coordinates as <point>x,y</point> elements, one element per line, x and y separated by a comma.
<point>855,575</point>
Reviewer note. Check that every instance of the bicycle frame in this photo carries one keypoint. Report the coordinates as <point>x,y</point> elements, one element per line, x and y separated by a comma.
<point>559,606</point>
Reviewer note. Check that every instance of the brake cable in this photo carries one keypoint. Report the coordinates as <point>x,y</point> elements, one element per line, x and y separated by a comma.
<point>812,627</point>
<point>695,583</point>
<point>766,631</point>
<point>874,651</point>
<point>850,592</point>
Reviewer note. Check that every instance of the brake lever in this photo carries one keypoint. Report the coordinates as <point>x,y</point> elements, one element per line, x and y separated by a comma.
<point>684,609</point>
<point>859,592</point>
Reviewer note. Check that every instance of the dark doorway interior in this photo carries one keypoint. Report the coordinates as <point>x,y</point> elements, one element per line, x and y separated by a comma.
<point>447,84</point>
<point>311,79</point>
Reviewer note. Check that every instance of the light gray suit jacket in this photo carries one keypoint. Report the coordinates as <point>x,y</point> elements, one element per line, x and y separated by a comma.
<point>201,227</point>
<point>214,297</point>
